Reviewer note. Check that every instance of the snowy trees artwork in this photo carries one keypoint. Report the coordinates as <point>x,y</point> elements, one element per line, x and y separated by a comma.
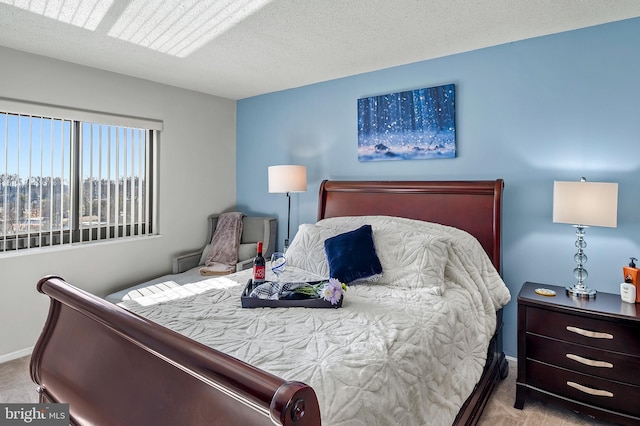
<point>412,125</point>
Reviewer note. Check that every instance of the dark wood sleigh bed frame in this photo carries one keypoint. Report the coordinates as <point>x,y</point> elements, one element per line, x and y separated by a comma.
<point>116,368</point>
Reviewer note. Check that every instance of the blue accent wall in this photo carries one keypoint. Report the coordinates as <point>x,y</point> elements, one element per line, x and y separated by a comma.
<point>551,108</point>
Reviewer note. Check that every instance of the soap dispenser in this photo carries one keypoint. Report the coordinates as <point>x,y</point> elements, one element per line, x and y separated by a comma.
<point>631,276</point>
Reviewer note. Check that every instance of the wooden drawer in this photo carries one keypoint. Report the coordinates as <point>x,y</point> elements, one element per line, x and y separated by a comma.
<point>597,333</point>
<point>619,397</point>
<point>584,359</point>
<point>605,330</point>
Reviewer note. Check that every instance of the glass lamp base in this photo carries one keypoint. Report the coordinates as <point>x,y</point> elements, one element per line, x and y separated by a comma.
<point>581,292</point>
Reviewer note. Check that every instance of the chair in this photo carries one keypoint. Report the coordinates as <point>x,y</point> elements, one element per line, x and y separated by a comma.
<point>254,229</point>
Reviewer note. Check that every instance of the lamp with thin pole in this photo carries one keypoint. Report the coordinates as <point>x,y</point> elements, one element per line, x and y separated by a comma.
<point>287,179</point>
<point>584,204</point>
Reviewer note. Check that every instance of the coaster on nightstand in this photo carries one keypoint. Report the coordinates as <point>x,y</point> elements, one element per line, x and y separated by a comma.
<point>545,292</point>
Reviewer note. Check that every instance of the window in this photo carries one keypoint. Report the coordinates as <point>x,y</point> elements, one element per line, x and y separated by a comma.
<point>68,181</point>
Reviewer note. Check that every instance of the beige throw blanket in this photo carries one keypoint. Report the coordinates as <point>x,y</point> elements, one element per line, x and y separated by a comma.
<point>223,253</point>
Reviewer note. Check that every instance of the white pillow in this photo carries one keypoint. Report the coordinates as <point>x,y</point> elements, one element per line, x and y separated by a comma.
<point>409,259</point>
<point>307,249</point>
<point>434,238</point>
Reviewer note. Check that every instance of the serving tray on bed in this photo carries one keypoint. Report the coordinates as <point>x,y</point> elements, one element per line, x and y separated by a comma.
<point>254,302</point>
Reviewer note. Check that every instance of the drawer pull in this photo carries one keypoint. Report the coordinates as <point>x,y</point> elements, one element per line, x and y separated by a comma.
<point>590,362</point>
<point>588,333</point>
<point>590,391</point>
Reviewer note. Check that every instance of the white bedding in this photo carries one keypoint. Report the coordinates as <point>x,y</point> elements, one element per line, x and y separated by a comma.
<point>396,353</point>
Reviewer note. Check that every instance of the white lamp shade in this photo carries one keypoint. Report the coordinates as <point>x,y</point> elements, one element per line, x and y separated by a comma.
<point>287,178</point>
<point>586,203</point>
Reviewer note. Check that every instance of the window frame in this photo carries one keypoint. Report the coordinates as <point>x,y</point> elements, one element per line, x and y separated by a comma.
<point>77,232</point>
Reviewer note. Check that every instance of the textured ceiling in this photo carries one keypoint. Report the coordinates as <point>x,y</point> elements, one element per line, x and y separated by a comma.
<point>251,47</point>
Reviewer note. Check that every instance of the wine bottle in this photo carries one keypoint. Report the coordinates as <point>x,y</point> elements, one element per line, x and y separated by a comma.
<point>259,270</point>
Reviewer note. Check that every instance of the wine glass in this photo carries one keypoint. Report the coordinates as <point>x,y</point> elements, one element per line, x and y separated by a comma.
<point>278,264</point>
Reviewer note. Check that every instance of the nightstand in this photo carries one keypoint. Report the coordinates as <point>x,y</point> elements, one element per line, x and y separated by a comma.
<point>584,354</point>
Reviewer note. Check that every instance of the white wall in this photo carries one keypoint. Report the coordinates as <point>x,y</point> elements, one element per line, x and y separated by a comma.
<point>196,178</point>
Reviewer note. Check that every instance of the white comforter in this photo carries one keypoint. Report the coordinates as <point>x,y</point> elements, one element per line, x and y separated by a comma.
<point>396,353</point>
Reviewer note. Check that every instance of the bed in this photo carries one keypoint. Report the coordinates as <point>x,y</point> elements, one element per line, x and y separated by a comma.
<point>118,366</point>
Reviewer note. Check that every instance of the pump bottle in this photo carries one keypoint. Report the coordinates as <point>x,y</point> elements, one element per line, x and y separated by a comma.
<point>631,276</point>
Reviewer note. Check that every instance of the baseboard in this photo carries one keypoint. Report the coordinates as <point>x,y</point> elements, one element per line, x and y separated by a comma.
<point>511,359</point>
<point>15,355</point>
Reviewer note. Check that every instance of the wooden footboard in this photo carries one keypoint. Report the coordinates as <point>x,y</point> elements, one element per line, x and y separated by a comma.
<point>117,368</point>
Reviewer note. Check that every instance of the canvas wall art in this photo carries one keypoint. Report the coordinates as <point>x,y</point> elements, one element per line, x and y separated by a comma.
<point>412,125</point>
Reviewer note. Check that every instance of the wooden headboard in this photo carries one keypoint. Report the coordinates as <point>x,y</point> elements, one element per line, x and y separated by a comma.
<point>473,206</point>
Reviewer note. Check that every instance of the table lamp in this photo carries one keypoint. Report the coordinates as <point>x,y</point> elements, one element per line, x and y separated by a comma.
<point>584,204</point>
<point>287,179</point>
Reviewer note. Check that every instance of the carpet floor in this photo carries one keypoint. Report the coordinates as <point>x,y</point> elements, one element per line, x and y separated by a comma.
<point>16,386</point>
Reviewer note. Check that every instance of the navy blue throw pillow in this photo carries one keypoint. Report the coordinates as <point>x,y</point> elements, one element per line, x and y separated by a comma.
<point>352,256</point>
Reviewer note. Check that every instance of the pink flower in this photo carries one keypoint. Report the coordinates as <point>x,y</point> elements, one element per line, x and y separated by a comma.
<point>332,291</point>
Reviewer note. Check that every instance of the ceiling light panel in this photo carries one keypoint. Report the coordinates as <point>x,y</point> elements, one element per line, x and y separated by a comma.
<point>179,28</point>
<point>86,14</point>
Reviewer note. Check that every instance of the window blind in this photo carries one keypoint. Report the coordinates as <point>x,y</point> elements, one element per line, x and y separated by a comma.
<point>65,181</point>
